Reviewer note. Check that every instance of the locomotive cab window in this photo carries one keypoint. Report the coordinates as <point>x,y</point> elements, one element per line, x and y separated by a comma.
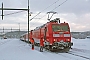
<point>60,27</point>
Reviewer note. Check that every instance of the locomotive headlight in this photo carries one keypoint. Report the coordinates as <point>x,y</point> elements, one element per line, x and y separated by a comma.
<point>54,40</point>
<point>68,40</point>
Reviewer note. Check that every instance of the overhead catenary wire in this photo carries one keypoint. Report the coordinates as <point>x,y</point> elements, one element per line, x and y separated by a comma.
<point>39,19</point>
<point>44,9</point>
<point>13,13</point>
<point>51,10</point>
<point>59,5</point>
<point>56,7</point>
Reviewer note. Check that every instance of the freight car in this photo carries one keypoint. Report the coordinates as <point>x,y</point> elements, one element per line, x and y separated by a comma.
<point>53,35</point>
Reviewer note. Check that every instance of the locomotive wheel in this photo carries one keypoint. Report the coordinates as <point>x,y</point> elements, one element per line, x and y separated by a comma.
<point>50,47</point>
<point>41,49</point>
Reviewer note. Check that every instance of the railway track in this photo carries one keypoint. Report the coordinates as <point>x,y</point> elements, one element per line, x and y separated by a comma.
<point>73,57</point>
<point>79,55</point>
<point>76,53</point>
<point>81,50</point>
<point>71,53</point>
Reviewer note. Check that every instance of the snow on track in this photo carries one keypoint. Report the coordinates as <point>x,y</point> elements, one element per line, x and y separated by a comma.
<point>18,50</point>
<point>14,49</point>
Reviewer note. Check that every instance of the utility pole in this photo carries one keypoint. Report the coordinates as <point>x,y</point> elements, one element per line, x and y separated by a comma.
<point>28,21</point>
<point>19,30</point>
<point>2,11</point>
<point>2,8</point>
<point>3,29</point>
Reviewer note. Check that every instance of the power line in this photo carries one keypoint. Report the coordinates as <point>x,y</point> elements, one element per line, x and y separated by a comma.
<point>44,9</point>
<point>48,7</point>
<point>60,5</point>
<point>13,13</point>
<point>52,9</point>
<point>56,7</point>
<point>39,19</point>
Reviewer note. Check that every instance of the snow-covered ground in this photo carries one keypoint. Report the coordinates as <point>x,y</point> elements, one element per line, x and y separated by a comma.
<point>14,49</point>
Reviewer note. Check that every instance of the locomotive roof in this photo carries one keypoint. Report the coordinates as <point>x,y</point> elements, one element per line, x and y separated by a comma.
<point>55,21</point>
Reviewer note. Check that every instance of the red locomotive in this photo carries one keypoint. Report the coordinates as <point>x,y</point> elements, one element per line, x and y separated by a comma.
<point>52,36</point>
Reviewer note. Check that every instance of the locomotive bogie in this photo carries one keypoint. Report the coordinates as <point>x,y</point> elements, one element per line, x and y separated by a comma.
<point>59,45</point>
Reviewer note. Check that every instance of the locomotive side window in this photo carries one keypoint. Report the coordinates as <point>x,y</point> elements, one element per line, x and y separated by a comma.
<point>60,28</point>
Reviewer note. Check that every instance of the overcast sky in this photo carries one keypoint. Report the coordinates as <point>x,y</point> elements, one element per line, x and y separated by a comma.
<point>75,12</point>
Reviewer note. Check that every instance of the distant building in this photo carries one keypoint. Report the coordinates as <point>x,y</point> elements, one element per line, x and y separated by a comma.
<point>88,36</point>
<point>79,36</point>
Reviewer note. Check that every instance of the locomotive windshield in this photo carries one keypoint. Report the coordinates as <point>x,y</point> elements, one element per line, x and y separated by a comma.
<point>60,27</point>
